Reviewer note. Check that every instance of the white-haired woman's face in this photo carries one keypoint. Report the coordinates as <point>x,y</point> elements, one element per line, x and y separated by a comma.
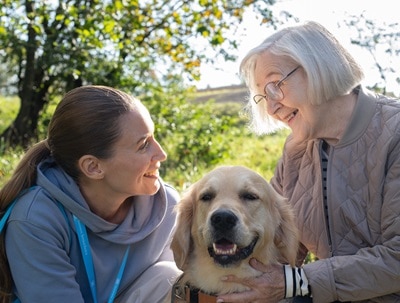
<point>294,109</point>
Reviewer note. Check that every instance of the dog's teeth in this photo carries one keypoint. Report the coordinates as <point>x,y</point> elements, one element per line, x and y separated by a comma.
<point>225,251</point>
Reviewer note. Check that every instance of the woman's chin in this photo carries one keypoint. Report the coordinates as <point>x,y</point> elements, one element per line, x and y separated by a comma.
<point>155,187</point>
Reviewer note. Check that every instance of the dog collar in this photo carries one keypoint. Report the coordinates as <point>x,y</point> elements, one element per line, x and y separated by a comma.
<point>194,295</point>
<point>189,294</point>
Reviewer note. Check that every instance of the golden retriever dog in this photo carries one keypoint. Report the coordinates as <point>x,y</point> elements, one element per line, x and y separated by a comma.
<point>230,215</point>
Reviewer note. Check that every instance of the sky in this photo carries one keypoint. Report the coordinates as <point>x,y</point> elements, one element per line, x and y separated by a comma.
<point>328,13</point>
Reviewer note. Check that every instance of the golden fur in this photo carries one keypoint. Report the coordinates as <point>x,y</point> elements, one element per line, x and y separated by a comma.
<point>231,205</point>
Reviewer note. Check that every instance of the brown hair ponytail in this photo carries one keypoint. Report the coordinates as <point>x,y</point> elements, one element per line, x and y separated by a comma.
<point>23,177</point>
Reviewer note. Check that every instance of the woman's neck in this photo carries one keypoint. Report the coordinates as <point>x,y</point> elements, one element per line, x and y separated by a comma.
<point>336,121</point>
<point>116,216</point>
<point>108,207</point>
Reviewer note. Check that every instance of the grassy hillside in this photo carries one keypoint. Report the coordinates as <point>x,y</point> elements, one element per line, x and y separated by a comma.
<point>227,94</point>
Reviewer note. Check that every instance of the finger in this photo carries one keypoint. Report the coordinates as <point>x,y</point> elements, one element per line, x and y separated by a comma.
<point>230,278</point>
<point>246,296</point>
<point>258,265</point>
<point>264,268</point>
<point>248,281</point>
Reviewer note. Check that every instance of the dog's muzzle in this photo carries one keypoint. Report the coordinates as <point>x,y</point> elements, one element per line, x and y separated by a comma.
<point>225,251</point>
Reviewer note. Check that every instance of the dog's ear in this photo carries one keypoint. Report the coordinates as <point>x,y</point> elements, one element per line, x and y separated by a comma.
<point>181,241</point>
<point>286,237</point>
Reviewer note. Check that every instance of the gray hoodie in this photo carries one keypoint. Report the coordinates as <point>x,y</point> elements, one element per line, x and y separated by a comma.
<point>43,248</point>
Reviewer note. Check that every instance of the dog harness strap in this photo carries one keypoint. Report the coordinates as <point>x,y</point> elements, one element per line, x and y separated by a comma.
<point>196,296</point>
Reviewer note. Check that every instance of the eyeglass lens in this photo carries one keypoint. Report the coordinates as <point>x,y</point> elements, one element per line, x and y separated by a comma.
<point>273,91</point>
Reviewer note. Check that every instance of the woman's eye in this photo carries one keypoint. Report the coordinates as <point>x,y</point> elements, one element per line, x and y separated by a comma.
<point>144,145</point>
<point>207,197</point>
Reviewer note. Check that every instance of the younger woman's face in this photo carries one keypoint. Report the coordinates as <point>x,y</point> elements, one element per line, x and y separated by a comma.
<point>133,168</point>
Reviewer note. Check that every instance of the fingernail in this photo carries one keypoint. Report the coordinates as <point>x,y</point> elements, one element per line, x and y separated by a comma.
<point>224,278</point>
<point>220,301</point>
<point>253,261</point>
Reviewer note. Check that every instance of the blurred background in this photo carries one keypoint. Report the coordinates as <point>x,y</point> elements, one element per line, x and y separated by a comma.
<point>181,58</point>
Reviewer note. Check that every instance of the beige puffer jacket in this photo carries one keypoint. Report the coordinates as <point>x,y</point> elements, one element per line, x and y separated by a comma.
<point>358,240</point>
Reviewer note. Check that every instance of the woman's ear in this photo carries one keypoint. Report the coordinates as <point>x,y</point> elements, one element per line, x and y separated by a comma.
<point>90,166</point>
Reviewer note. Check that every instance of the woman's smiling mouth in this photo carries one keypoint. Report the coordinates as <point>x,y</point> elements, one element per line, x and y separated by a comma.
<point>289,117</point>
<point>152,174</point>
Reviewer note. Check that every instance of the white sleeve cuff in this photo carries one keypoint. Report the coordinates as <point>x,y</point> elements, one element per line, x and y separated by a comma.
<point>296,283</point>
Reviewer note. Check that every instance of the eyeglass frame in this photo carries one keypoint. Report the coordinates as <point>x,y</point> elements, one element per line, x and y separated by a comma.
<point>258,98</point>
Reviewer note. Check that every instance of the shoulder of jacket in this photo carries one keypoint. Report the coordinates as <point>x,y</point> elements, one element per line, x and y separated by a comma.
<point>32,200</point>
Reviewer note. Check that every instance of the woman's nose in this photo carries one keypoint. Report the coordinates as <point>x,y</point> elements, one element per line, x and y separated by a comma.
<point>272,107</point>
<point>160,154</point>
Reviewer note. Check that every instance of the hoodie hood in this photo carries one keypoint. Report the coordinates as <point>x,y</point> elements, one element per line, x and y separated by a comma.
<point>144,216</point>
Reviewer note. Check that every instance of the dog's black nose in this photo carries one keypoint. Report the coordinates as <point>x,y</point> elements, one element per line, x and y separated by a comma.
<point>223,220</point>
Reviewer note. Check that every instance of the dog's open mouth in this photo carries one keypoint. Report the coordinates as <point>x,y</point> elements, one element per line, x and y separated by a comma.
<point>225,252</point>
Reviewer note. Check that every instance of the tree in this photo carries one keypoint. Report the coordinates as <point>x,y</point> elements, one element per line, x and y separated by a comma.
<point>380,40</point>
<point>54,46</point>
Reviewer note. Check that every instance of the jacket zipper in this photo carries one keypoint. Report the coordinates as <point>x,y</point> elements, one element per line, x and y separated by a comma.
<point>324,157</point>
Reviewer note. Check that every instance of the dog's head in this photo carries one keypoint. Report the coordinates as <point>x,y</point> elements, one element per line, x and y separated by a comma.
<point>230,215</point>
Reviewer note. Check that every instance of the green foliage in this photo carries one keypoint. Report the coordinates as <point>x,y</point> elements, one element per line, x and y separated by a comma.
<point>53,46</point>
<point>8,111</point>
<point>118,43</point>
<point>9,159</point>
<point>196,136</point>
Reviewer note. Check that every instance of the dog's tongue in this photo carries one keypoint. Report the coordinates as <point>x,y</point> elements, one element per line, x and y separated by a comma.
<point>224,248</point>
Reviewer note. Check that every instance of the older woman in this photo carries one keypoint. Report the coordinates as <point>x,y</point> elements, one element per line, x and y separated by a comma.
<point>340,170</point>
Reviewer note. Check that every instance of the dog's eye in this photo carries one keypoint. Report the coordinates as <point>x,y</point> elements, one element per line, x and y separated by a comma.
<point>207,196</point>
<point>249,196</point>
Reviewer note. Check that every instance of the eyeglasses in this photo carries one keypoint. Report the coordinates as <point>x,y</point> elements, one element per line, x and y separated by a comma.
<point>273,90</point>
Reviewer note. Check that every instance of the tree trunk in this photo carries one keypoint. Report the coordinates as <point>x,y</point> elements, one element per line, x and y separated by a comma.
<point>23,128</point>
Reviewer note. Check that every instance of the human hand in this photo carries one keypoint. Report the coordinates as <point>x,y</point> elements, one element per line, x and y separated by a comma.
<point>266,288</point>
